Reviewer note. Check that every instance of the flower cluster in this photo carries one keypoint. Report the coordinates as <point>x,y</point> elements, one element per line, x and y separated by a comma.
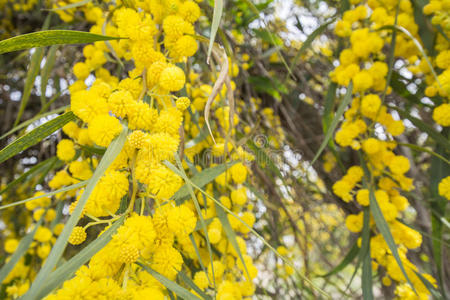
<point>370,128</point>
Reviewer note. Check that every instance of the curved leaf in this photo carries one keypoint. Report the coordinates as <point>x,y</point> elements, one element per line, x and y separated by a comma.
<point>35,136</point>
<point>50,37</point>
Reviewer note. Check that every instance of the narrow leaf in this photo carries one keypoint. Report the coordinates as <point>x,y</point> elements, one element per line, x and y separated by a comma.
<point>354,250</point>
<point>33,71</point>
<point>50,37</point>
<point>61,190</point>
<point>217,15</point>
<point>48,67</point>
<point>72,5</point>
<point>201,179</point>
<point>35,136</point>
<point>28,174</point>
<point>66,270</point>
<point>340,111</point>
<point>383,227</point>
<point>111,153</point>
<point>188,281</point>
<point>169,284</point>
<point>20,251</point>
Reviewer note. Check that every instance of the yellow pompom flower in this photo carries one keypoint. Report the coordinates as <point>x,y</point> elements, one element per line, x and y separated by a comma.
<point>81,70</point>
<point>441,114</point>
<point>444,188</point>
<point>183,103</point>
<point>201,280</point>
<point>181,220</point>
<point>239,196</point>
<point>103,129</point>
<point>11,245</point>
<point>175,26</point>
<point>43,234</point>
<point>141,116</point>
<point>184,47</point>
<point>169,121</point>
<point>167,261</point>
<point>370,105</point>
<point>190,11</point>
<point>87,105</point>
<point>119,101</point>
<point>371,146</point>
<point>137,139</point>
<point>354,223</point>
<point>65,150</point>
<point>362,81</point>
<point>399,164</point>
<point>137,231</point>
<point>239,173</point>
<point>172,78</point>
<point>77,236</point>
<point>129,254</point>
<point>154,72</point>
<point>362,196</point>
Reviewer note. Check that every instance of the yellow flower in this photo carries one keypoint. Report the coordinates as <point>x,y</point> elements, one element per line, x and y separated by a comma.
<point>65,150</point>
<point>172,78</point>
<point>444,188</point>
<point>104,129</point>
<point>77,236</point>
<point>441,114</point>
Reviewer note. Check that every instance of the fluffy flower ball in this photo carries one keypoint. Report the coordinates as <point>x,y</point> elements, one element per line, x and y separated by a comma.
<point>104,129</point>
<point>77,236</point>
<point>441,114</point>
<point>172,79</point>
<point>65,150</point>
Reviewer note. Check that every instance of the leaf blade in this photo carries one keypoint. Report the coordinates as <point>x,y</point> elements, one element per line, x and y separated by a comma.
<point>111,153</point>
<point>50,37</point>
<point>35,136</point>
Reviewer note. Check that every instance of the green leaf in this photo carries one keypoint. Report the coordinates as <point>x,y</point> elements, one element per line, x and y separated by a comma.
<point>182,174</point>
<point>34,119</point>
<point>329,105</point>
<point>231,235</point>
<point>340,111</point>
<point>434,292</point>
<point>71,5</point>
<point>33,71</point>
<point>35,136</point>
<point>366,279</point>
<point>201,179</point>
<point>35,65</point>
<point>382,225</point>
<point>111,153</point>
<point>438,170</point>
<point>197,252</point>
<point>266,36</point>
<point>29,174</point>
<point>436,136</point>
<point>61,190</point>
<point>365,243</point>
<point>188,281</point>
<point>169,284</point>
<point>354,250</point>
<point>45,72</point>
<point>66,270</point>
<point>20,251</point>
<point>50,37</point>
<point>217,15</point>
<point>307,43</point>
